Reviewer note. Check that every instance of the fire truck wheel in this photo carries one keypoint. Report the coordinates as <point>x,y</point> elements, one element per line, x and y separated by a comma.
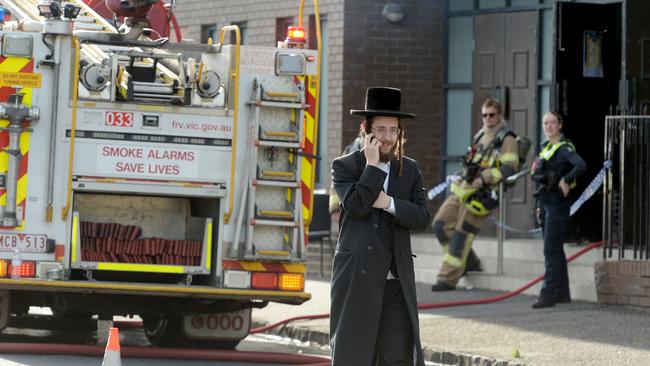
<point>165,331</point>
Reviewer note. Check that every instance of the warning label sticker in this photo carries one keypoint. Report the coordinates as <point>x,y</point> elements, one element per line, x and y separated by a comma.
<point>23,79</point>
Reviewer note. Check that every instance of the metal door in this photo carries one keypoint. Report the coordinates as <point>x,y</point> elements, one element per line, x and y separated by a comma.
<point>505,68</point>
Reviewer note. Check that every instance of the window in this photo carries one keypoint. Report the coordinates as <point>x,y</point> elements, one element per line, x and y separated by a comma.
<point>281,26</point>
<point>243,31</point>
<point>209,31</point>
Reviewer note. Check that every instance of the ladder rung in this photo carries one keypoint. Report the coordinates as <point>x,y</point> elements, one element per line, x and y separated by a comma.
<point>284,223</point>
<point>278,174</point>
<point>286,134</point>
<point>277,143</point>
<point>273,253</point>
<point>274,94</point>
<point>275,183</point>
<point>275,214</point>
<point>279,104</point>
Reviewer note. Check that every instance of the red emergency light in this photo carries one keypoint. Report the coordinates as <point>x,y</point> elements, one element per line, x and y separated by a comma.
<point>296,34</point>
<point>26,270</point>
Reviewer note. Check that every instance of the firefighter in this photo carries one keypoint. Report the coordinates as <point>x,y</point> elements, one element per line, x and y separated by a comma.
<point>374,316</point>
<point>491,157</point>
<point>555,172</point>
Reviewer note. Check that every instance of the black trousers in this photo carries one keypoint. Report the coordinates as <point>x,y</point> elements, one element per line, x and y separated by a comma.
<point>556,276</point>
<point>395,339</point>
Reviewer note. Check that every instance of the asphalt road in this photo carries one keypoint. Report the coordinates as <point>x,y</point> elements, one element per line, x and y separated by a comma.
<point>132,337</point>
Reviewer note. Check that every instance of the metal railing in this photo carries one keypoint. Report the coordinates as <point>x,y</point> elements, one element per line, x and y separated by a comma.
<point>626,189</point>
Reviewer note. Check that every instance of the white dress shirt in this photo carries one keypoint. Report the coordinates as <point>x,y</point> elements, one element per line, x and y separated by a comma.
<point>391,209</point>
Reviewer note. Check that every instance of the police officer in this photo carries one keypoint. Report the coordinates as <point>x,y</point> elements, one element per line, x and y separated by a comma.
<point>555,172</point>
<point>492,157</point>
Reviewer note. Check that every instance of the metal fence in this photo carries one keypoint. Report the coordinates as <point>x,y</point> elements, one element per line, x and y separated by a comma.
<point>626,189</point>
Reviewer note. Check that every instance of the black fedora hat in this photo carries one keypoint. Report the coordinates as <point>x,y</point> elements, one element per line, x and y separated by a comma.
<point>382,101</point>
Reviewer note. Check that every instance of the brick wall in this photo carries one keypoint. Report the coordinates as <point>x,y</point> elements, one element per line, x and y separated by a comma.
<point>623,283</point>
<point>260,18</point>
<point>364,50</point>
<point>407,55</point>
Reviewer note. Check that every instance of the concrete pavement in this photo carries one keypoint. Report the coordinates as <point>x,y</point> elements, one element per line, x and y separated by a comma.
<point>504,333</point>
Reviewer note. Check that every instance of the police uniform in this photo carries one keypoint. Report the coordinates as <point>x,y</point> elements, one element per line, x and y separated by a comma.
<point>457,221</point>
<point>555,162</point>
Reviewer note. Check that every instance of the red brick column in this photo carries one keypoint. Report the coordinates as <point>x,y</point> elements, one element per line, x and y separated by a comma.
<point>623,283</point>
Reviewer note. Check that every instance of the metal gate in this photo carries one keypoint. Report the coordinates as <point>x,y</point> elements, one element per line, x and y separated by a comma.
<point>626,189</point>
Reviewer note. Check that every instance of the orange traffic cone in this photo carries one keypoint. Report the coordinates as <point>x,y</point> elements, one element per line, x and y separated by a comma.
<point>112,353</point>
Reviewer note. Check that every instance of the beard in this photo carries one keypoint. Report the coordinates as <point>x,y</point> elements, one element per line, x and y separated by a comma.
<point>386,157</point>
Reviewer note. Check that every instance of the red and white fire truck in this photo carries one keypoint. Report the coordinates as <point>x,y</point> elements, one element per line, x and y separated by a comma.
<point>171,181</point>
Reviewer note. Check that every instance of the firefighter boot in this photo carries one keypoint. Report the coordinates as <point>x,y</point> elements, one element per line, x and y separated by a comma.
<point>453,265</point>
<point>472,263</point>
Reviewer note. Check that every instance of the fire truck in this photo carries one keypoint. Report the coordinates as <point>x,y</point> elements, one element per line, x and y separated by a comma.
<point>172,181</point>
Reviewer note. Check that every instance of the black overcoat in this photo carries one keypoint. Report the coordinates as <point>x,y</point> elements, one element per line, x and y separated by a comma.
<point>364,251</point>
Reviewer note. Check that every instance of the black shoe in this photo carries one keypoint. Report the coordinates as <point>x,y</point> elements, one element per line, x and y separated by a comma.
<point>543,303</point>
<point>442,286</point>
<point>563,299</point>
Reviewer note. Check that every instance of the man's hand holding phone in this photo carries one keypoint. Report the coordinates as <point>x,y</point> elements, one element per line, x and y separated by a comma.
<point>371,149</point>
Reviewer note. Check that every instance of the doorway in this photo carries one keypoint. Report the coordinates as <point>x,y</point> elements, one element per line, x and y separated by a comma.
<point>586,89</point>
<point>505,68</point>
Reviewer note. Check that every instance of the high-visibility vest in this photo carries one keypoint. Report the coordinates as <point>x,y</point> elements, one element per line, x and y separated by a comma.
<point>549,150</point>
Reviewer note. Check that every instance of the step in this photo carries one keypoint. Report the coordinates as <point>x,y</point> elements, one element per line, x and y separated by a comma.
<point>579,291</point>
<point>516,249</point>
<point>583,272</point>
<point>523,261</point>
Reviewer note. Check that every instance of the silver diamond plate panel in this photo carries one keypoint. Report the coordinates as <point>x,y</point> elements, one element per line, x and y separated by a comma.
<point>272,198</point>
<point>279,84</point>
<point>274,158</point>
<point>278,120</point>
<point>271,237</point>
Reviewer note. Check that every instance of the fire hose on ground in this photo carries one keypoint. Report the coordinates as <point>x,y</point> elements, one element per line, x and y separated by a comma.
<point>435,191</point>
<point>445,304</point>
<point>237,356</point>
<point>269,357</point>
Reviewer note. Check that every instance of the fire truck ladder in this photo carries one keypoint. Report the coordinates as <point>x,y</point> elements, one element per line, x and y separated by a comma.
<point>274,226</point>
<point>87,19</point>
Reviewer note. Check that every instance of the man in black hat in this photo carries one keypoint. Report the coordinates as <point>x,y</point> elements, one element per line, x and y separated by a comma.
<point>374,318</point>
